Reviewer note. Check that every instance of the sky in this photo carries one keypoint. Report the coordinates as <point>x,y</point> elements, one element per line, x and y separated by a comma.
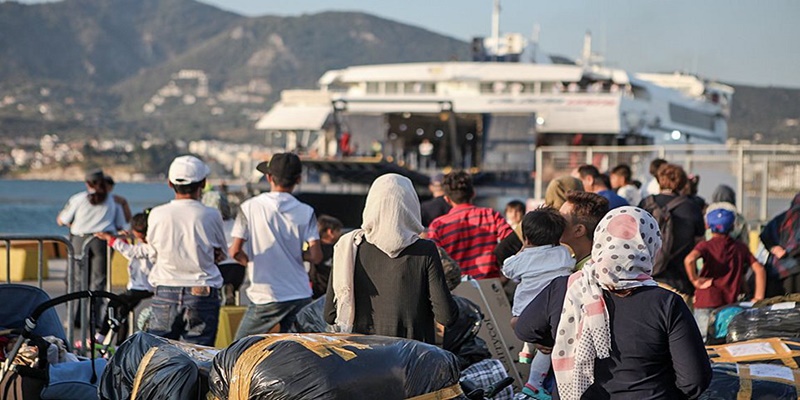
<point>738,41</point>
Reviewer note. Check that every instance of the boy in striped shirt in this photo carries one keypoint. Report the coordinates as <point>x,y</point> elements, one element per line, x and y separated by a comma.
<point>468,233</point>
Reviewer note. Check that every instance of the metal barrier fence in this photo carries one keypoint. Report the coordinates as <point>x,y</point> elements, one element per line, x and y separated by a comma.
<point>765,177</point>
<point>73,259</point>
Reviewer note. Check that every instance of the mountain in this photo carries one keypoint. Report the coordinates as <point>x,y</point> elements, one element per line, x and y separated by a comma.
<point>259,57</point>
<point>100,42</point>
<point>772,112</point>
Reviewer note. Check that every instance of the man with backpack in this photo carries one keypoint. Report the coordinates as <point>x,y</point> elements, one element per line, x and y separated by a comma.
<point>681,224</point>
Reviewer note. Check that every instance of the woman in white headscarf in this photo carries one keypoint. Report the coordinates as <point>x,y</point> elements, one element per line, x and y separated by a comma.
<point>385,279</point>
<point>612,331</point>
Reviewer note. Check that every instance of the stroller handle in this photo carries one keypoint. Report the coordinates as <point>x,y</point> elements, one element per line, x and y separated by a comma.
<point>30,322</point>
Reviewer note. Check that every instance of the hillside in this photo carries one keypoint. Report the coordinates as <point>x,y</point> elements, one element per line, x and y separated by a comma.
<point>100,42</point>
<point>249,64</point>
<point>772,112</point>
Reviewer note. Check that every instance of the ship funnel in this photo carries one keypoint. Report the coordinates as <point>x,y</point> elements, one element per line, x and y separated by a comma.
<point>586,56</point>
<point>496,27</point>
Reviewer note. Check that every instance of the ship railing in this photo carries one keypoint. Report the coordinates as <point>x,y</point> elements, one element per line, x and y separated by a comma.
<point>72,261</point>
<point>764,176</point>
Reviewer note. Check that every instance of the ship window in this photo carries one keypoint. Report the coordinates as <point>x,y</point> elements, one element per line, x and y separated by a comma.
<point>640,93</point>
<point>423,87</point>
<point>391,88</point>
<point>372,87</point>
<point>486,87</point>
<point>529,87</point>
<point>552,87</point>
<point>500,87</point>
<point>687,116</point>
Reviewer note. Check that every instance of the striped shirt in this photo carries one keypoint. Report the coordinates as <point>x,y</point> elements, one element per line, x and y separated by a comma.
<point>469,234</point>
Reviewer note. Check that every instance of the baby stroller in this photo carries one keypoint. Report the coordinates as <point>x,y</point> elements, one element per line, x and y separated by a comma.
<point>29,313</point>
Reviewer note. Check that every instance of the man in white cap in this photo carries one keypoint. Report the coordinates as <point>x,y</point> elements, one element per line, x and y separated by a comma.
<point>189,240</point>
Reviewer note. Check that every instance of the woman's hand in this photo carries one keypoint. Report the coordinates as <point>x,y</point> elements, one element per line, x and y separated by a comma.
<point>104,236</point>
<point>778,251</point>
<point>219,255</point>
<point>702,283</point>
<point>543,349</point>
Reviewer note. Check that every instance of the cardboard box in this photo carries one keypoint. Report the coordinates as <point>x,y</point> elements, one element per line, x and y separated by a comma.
<point>229,319</point>
<point>496,329</point>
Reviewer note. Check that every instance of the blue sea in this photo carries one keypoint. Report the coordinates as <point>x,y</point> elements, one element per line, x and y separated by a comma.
<point>31,207</point>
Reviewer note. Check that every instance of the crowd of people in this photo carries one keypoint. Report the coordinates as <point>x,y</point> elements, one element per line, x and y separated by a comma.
<point>611,281</point>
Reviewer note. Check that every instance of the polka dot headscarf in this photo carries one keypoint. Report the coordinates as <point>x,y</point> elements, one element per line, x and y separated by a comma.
<point>625,243</point>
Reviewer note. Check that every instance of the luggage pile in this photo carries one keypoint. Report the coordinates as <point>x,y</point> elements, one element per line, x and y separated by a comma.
<point>333,366</point>
<point>150,367</point>
<point>773,317</point>
<point>759,357</point>
<point>281,366</point>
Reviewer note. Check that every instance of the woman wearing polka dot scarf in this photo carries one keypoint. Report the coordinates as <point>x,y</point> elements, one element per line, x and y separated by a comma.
<point>617,334</point>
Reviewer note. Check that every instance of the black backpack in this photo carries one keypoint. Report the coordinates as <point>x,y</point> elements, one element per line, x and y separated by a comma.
<point>664,217</point>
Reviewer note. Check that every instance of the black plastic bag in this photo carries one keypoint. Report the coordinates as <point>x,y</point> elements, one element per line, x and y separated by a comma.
<point>462,339</point>
<point>169,370</point>
<point>719,321</point>
<point>310,319</point>
<point>778,320</point>
<point>331,366</point>
<point>727,383</point>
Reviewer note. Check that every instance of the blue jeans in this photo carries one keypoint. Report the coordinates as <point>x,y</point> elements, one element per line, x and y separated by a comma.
<point>701,316</point>
<point>186,313</point>
<point>261,318</point>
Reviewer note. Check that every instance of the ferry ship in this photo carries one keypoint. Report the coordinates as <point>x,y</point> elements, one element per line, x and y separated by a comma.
<point>489,114</point>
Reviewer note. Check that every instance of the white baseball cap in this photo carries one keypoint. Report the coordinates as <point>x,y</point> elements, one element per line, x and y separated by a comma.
<point>187,169</point>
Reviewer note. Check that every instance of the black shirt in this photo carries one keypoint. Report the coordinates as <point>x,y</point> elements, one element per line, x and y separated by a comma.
<point>319,273</point>
<point>688,223</point>
<point>656,349</point>
<point>507,248</point>
<point>399,297</point>
<point>432,209</point>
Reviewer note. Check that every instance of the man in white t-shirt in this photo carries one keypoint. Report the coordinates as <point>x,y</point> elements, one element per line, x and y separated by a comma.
<point>269,236</point>
<point>189,240</point>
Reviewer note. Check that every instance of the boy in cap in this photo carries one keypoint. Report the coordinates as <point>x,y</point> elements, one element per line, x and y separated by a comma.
<point>724,262</point>
<point>189,240</point>
<point>268,237</point>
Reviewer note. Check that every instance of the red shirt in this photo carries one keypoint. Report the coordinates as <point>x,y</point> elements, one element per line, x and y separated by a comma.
<point>725,260</point>
<point>469,234</point>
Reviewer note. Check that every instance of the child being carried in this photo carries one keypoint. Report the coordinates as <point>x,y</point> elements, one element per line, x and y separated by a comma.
<point>541,259</point>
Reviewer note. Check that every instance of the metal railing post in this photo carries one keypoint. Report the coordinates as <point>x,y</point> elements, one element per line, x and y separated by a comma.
<point>7,239</point>
<point>740,178</point>
<point>538,179</point>
<point>762,215</point>
<point>589,155</point>
<point>108,267</point>
<point>70,289</point>
<point>40,243</point>
<point>8,261</point>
